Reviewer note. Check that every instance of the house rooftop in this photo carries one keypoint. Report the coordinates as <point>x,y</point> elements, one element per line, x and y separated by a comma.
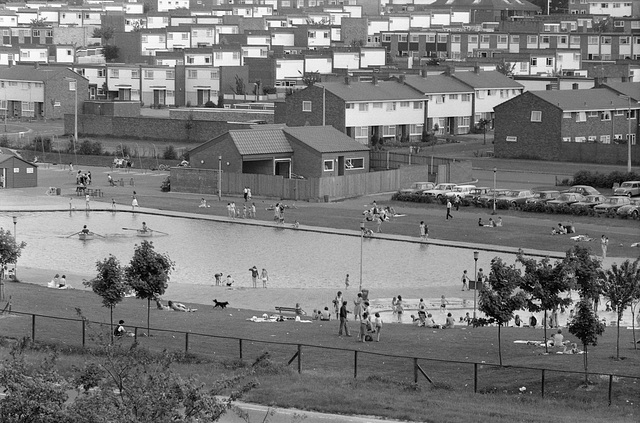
<point>30,73</point>
<point>325,139</point>
<point>255,141</point>
<point>490,79</point>
<point>437,84</point>
<point>584,100</point>
<point>368,91</point>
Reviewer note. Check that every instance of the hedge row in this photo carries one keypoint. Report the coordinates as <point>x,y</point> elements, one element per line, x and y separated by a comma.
<point>603,180</point>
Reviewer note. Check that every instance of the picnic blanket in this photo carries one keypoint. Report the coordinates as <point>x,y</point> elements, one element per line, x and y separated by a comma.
<point>585,238</point>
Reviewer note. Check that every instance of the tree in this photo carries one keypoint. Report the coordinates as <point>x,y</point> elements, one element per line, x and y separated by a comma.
<point>39,23</point>
<point>498,298</point>
<point>586,327</point>
<point>10,250</point>
<point>584,268</point>
<point>543,283</point>
<point>105,33</point>
<point>148,274</point>
<point>111,53</point>
<point>240,87</point>
<point>506,68</point>
<point>109,284</point>
<point>482,125</point>
<point>310,78</point>
<point>621,285</point>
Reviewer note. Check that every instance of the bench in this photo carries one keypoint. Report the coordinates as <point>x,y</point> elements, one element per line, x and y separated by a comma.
<point>96,192</point>
<point>294,310</point>
<point>80,190</point>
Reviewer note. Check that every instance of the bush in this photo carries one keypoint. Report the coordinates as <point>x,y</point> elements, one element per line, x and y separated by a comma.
<point>601,180</point>
<point>210,104</point>
<point>413,198</point>
<point>170,153</point>
<point>4,141</point>
<point>166,185</point>
<point>89,148</point>
<point>41,143</point>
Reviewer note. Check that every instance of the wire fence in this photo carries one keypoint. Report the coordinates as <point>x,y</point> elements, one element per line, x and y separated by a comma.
<point>476,377</point>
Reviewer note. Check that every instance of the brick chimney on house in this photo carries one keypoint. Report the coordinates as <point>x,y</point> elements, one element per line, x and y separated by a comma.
<point>423,72</point>
<point>401,79</point>
<point>347,81</point>
<point>450,70</point>
<point>374,79</point>
<point>476,69</point>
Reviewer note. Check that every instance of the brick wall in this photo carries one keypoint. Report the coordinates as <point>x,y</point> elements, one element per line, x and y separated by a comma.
<point>224,115</point>
<point>354,30</point>
<point>291,112</point>
<point>543,140</point>
<point>147,128</point>
<point>57,91</point>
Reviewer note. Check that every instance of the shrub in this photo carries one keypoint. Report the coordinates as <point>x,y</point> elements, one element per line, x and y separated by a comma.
<point>413,198</point>
<point>210,104</point>
<point>4,141</point>
<point>89,148</point>
<point>601,180</point>
<point>166,185</point>
<point>170,153</point>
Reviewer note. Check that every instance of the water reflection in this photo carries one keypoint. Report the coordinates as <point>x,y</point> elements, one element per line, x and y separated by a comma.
<point>201,248</point>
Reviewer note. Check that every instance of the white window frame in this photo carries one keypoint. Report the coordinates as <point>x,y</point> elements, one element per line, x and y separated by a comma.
<point>350,165</point>
<point>306,106</point>
<point>328,166</point>
<point>536,116</point>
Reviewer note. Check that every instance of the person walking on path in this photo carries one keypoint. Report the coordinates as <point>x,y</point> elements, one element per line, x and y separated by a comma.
<point>449,210</point>
<point>254,276</point>
<point>265,277</point>
<point>245,194</point>
<point>134,202</point>
<point>465,281</point>
<point>604,243</point>
<point>377,321</point>
<point>343,320</point>
<point>424,231</point>
<point>456,202</point>
<point>87,200</point>
<point>479,278</point>
<point>346,282</point>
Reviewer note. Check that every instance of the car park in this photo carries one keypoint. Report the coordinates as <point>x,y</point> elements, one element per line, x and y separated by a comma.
<point>566,198</point>
<point>460,191</point>
<point>628,188</point>
<point>440,190</point>
<point>476,192</point>
<point>543,196</point>
<point>486,200</point>
<point>516,197</point>
<point>590,201</point>
<point>583,189</point>
<point>418,187</point>
<point>612,204</point>
<point>631,210</point>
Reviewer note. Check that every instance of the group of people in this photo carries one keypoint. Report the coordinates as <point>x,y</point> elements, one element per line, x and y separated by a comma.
<point>264,276</point>
<point>563,230</point>
<point>58,282</point>
<point>234,211</point>
<point>369,323</point>
<point>228,281</point>
<point>83,178</point>
<point>378,215</point>
<point>173,306</point>
<point>492,223</point>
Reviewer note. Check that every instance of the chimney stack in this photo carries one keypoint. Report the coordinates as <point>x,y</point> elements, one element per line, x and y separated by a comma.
<point>401,79</point>
<point>375,80</point>
<point>36,65</point>
<point>476,69</point>
<point>346,80</point>
<point>423,72</point>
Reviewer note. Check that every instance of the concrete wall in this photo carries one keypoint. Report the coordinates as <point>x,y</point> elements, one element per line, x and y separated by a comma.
<point>222,115</point>
<point>147,128</point>
<point>112,108</point>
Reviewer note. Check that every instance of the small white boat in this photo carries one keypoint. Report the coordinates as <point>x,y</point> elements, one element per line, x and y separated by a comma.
<point>86,237</point>
<point>146,233</point>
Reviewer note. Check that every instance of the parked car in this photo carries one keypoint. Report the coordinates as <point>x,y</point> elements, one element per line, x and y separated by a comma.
<point>486,200</point>
<point>460,190</point>
<point>516,197</point>
<point>567,198</point>
<point>612,204</point>
<point>590,201</point>
<point>629,188</point>
<point>440,190</point>
<point>583,189</point>
<point>418,187</point>
<point>631,210</point>
<point>476,192</point>
<point>543,196</point>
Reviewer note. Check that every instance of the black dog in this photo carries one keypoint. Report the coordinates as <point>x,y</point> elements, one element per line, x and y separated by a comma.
<point>221,304</point>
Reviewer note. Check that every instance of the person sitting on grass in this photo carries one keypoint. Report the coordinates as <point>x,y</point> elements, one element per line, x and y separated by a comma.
<point>120,330</point>
<point>556,339</point>
<point>450,322</point>
<point>560,230</point>
<point>180,307</point>
<point>430,323</point>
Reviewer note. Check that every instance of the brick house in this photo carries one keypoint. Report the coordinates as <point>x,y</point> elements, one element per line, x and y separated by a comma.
<point>16,172</point>
<point>567,125</point>
<point>309,151</point>
<point>362,110</point>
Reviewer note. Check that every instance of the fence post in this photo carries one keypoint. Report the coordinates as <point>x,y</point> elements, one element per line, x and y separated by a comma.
<point>186,342</point>
<point>33,327</point>
<point>542,383</point>
<point>299,358</point>
<point>475,378</point>
<point>388,159</point>
<point>84,332</point>
<point>135,334</point>
<point>610,388</point>
<point>355,364</point>
<point>240,348</point>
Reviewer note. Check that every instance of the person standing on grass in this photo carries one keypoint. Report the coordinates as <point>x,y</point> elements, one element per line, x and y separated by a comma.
<point>377,321</point>
<point>265,277</point>
<point>113,205</point>
<point>254,276</point>
<point>456,202</point>
<point>448,210</point>
<point>443,304</point>
<point>253,211</point>
<point>399,308</point>
<point>479,278</point>
<point>343,319</point>
<point>346,282</point>
<point>337,304</point>
<point>87,199</point>
<point>362,334</point>
<point>134,202</point>
<point>423,231</point>
<point>604,243</point>
<point>465,281</point>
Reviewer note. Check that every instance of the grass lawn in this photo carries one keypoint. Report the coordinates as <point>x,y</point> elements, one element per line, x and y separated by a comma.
<point>384,384</point>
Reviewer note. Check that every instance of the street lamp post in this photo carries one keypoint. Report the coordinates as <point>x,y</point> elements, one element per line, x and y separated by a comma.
<point>495,170</point>
<point>475,285</point>
<point>219,178</point>
<point>73,86</point>
<point>361,243</point>
<point>628,132</point>
<point>15,265</point>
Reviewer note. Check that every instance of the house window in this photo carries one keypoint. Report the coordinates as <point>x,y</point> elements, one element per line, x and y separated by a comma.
<point>416,129</point>
<point>354,163</point>
<point>171,74</point>
<point>536,116</point>
<point>534,61</point>
<point>605,115</point>
<point>502,39</point>
<point>192,74</point>
<point>566,115</point>
<point>391,106</point>
<point>631,114</point>
<point>581,139</point>
<point>148,74</point>
<point>439,99</point>
<point>306,106</point>
<point>465,97</point>
<point>581,116</point>
<point>143,38</point>
<point>328,165</point>
<point>431,38</point>
<point>549,61</point>
<point>473,39</point>
<point>114,73</point>
<point>532,39</point>
<point>236,55</point>
<point>632,137</point>
<point>605,139</point>
<point>215,74</point>
<point>185,36</point>
<point>442,38</point>
<point>361,131</point>
<point>389,131</point>
<point>386,38</point>
<point>414,38</point>
<point>453,96</point>
<point>455,38</point>
<point>566,139</point>
<point>593,114</point>
<point>377,105</point>
<point>485,39</point>
<point>135,73</point>
<point>592,138</point>
<point>511,139</point>
<point>619,113</point>
<point>402,38</point>
<point>363,107</point>
<point>404,104</point>
<point>417,104</point>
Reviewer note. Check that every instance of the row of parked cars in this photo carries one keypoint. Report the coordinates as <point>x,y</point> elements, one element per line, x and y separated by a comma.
<point>621,203</point>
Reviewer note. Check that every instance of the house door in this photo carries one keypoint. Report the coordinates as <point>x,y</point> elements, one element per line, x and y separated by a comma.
<point>3,177</point>
<point>340,165</point>
<point>203,97</point>
<point>451,125</point>
<point>159,97</point>
<point>283,168</point>
<point>124,94</point>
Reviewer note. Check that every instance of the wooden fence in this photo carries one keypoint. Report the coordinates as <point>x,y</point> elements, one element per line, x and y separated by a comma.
<point>205,181</point>
<point>328,360</point>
